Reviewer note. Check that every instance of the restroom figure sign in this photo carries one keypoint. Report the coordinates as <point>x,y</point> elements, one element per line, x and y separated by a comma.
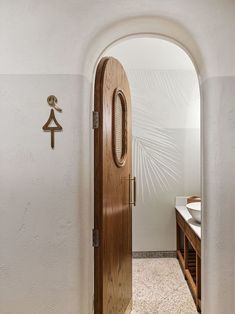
<point>52,125</point>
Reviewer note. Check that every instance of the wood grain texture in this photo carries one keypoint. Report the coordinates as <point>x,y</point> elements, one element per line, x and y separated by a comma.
<point>112,213</point>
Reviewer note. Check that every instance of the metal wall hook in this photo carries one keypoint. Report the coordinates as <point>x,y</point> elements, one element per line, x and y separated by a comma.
<point>52,101</point>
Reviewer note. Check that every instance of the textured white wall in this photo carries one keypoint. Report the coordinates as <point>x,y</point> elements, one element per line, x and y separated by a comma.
<point>42,226</point>
<point>67,37</point>
<point>166,135</point>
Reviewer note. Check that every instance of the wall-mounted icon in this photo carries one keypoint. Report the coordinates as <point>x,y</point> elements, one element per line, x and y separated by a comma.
<point>52,125</point>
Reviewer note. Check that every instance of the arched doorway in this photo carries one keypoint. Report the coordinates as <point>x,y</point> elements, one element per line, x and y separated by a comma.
<point>147,185</point>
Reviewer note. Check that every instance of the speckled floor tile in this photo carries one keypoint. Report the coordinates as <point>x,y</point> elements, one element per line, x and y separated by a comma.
<point>159,287</point>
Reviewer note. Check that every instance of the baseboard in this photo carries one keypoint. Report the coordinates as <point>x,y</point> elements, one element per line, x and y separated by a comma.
<point>154,254</point>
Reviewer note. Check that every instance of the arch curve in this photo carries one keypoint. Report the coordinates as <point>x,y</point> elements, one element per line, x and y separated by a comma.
<point>148,26</point>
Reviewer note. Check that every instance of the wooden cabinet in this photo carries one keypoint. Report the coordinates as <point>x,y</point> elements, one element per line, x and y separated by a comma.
<point>189,256</point>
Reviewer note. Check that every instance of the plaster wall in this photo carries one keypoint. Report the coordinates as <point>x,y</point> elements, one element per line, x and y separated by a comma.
<point>51,47</point>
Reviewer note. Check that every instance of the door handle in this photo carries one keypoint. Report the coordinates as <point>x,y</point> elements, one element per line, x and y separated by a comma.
<point>134,190</point>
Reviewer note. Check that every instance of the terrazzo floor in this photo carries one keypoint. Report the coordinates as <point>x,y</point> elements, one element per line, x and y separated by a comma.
<point>159,287</point>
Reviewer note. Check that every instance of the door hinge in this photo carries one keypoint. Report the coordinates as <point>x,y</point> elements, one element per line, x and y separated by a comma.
<point>95,237</point>
<point>95,119</point>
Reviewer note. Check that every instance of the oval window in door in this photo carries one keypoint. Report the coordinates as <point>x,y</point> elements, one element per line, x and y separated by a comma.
<point>119,128</point>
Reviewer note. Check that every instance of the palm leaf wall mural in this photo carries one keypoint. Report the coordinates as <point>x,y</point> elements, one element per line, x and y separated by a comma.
<point>155,156</point>
<point>158,96</point>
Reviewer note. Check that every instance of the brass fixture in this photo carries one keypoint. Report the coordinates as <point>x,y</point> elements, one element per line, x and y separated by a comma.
<point>134,191</point>
<point>52,102</point>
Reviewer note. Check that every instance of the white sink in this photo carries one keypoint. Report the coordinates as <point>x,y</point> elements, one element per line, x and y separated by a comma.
<point>195,210</point>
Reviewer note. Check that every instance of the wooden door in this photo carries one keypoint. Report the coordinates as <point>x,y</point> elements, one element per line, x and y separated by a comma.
<point>113,216</point>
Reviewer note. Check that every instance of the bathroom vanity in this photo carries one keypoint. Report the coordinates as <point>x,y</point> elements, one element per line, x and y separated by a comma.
<point>189,251</point>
